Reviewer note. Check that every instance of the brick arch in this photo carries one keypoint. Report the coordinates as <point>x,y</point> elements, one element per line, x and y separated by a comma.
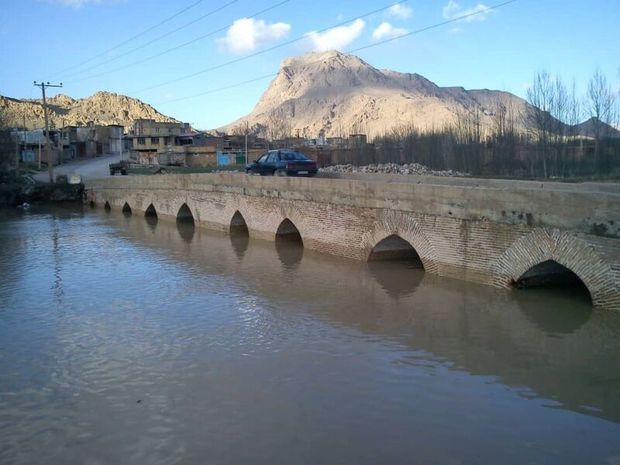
<point>181,211</point>
<point>236,226</point>
<point>562,247</point>
<point>234,205</point>
<point>155,211</point>
<point>390,223</point>
<point>294,216</point>
<point>142,203</point>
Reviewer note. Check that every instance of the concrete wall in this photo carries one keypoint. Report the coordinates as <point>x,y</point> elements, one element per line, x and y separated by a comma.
<point>485,231</point>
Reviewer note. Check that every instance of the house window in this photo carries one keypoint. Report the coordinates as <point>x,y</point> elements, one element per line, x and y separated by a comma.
<point>141,141</point>
<point>155,140</point>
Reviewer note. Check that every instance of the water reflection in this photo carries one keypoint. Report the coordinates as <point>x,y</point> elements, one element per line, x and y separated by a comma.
<point>557,313</point>
<point>236,354</point>
<point>290,252</point>
<point>239,243</point>
<point>398,278</point>
<point>151,221</point>
<point>510,335</point>
<point>186,230</point>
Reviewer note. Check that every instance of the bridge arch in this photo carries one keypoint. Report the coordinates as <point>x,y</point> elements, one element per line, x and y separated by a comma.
<point>550,251</point>
<point>150,211</point>
<point>107,206</point>
<point>126,209</point>
<point>391,223</point>
<point>394,247</point>
<point>287,231</point>
<point>238,224</point>
<point>185,215</point>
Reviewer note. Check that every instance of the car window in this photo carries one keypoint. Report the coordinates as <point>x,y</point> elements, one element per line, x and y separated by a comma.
<point>289,156</point>
<point>273,157</point>
<point>263,158</point>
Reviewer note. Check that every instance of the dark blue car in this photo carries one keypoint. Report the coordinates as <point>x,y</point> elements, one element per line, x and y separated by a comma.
<point>282,162</point>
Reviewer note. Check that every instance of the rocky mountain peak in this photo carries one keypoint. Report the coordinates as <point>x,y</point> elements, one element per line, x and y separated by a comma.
<point>332,58</point>
<point>336,94</point>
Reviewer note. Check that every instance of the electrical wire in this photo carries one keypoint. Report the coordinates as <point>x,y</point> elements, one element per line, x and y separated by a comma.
<point>354,50</point>
<point>176,47</point>
<point>262,52</point>
<point>158,38</point>
<point>139,34</point>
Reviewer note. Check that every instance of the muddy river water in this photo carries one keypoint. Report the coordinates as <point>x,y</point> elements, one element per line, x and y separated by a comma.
<point>127,341</point>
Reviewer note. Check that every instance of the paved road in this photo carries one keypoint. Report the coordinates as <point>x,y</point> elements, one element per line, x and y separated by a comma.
<point>88,169</point>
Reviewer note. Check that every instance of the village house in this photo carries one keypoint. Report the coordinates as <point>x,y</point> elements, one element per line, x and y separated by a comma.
<point>151,138</point>
<point>155,143</point>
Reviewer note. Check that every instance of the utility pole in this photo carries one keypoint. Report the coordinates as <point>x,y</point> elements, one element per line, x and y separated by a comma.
<point>247,128</point>
<point>17,137</point>
<point>48,151</point>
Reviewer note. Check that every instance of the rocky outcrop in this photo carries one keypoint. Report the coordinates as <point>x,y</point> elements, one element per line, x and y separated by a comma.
<point>101,108</point>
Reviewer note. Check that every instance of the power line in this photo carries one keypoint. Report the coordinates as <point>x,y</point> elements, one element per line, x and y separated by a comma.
<point>139,34</point>
<point>176,47</point>
<point>355,50</point>
<point>434,26</point>
<point>261,52</point>
<point>219,89</point>
<point>48,149</point>
<point>158,38</point>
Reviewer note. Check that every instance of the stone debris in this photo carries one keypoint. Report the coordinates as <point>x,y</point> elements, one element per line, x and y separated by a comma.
<point>390,168</point>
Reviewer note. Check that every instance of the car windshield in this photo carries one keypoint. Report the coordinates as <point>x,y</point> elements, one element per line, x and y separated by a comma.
<point>290,156</point>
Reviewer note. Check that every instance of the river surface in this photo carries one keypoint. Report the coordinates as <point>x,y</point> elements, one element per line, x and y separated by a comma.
<point>127,341</point>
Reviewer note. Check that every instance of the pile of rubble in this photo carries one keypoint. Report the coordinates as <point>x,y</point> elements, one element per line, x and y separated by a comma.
<point>390,168</point>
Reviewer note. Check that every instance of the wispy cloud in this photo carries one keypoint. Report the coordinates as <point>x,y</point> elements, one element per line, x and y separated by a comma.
<point>76,3</point>
<point>336,38</point>
<point>246,34</point>
<point>453,10</point>
<point>387,31</point>
<point>400,11</point>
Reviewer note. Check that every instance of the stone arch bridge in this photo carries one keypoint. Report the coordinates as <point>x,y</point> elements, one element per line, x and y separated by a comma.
<point>501,233</point>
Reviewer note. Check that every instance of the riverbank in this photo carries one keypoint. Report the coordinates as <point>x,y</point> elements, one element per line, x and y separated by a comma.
<point>23,189</point>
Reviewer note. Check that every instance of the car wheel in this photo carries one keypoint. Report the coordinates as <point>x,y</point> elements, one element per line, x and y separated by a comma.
<point>280,173</point>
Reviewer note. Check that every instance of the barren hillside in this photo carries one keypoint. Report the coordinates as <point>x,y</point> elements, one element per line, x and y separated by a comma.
<point>340,94</point>
<point>100,108</point>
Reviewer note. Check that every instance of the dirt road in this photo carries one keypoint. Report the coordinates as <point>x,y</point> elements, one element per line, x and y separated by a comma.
<point>89,168</point>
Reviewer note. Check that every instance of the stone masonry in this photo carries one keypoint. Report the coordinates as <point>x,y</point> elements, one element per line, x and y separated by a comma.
<point>484,231</point>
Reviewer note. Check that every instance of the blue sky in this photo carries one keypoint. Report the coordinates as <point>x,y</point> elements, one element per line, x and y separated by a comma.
<point>74,41</point>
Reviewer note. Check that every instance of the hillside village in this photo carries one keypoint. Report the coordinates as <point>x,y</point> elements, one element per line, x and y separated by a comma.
<point>148,142</point>
<point>338,109</point>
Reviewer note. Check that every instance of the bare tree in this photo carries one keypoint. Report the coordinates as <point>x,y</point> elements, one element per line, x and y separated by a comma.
<point>504,137</point>
<point>238,130</point>
<point>600,102</point>
<point>541,97</point>
<point>277,127</point>
<point>600,99</point>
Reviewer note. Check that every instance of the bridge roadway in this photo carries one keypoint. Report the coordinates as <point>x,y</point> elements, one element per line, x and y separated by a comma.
<point>493,232</point>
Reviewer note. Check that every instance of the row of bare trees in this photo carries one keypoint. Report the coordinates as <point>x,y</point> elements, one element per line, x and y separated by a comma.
<point>541,139</point>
